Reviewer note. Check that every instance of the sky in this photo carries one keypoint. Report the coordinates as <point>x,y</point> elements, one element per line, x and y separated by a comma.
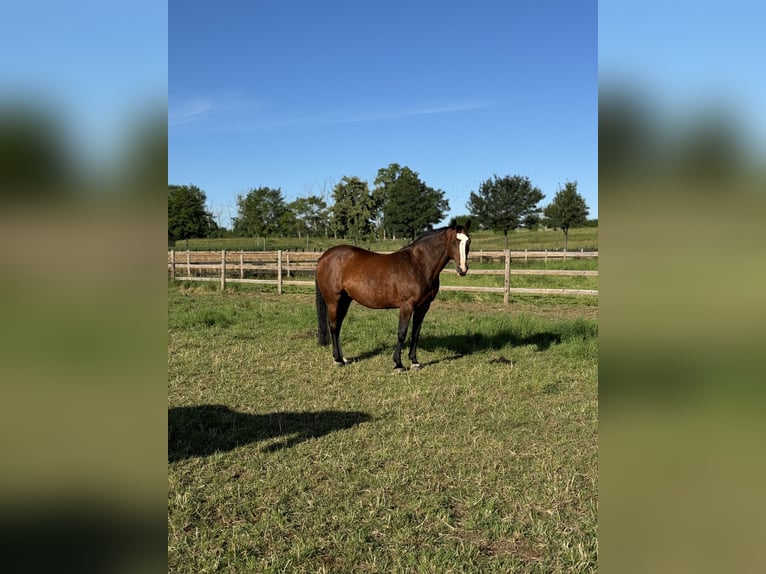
<point>297,95</point>
<point>99,67</point>
<point>687,57</point>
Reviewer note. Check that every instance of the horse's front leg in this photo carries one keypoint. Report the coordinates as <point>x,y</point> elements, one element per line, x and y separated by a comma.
<point>417,321</point>
<point>405,312</point>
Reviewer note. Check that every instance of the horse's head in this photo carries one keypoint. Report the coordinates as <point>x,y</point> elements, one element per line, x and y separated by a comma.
<point>459,247</point>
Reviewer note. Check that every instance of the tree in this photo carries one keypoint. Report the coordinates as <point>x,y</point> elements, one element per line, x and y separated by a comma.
<point>567,210</point>
<point>354,209</point>
<point>260,213</point>
<point>33,152</point>
<point>408,205</point>
<point>187,216</point>
<point>311,215</point>
<point>505,203</point>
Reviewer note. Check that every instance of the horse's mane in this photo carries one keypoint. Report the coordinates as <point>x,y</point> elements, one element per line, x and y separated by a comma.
<point>426,236</point>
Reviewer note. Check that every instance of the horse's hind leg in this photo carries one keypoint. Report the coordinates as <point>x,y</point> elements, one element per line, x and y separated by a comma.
<point>405,312</point>
<point>336,313</point>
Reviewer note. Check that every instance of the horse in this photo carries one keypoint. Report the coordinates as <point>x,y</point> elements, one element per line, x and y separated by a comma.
<point>407,279</point>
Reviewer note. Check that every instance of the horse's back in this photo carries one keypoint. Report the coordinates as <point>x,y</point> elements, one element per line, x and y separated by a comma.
<point>342,258</point>
<point>370,278</point>
<point>349,261</point>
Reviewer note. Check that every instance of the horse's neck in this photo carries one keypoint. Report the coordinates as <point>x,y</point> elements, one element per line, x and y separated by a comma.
<point>433,259</point>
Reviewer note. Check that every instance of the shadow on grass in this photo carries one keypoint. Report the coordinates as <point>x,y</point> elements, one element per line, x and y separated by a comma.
<point>380,349</point>
<point>202,430</point>
<point>473,342</point>
<point>461,345</point>
<point>470,343</point>
<point>71,530</point>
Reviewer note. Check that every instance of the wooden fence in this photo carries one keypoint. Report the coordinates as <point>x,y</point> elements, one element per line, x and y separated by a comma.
<point>261,267</point>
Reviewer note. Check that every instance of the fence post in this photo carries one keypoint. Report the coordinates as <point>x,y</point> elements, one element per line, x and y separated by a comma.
<point>172,264</point>
<point>279,272</point>
<point>241,264</point>
<point>188,264</point>
<point>506,292</point>
<point>288,265</point>
<point>223,269</point>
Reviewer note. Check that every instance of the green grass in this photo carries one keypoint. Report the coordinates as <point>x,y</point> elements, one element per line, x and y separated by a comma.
<point>580,238</point>
<point>483,461</point>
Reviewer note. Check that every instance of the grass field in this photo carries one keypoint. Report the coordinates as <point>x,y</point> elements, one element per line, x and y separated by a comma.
<point>580,238</point>
<point>483,461</point>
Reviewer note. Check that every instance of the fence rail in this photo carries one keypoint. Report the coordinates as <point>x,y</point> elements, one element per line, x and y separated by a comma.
<point>230,267</point>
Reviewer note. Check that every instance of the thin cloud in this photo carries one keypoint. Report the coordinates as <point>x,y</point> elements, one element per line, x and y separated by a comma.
<point>237,115</point>
<point>370,116</point>
<point>189,110</point>
<point>407,113</point>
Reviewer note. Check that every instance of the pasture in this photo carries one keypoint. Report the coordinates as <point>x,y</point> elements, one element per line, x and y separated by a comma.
<point>485,460</point>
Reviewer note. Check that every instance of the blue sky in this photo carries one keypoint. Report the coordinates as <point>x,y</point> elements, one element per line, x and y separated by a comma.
<point>687,57</point>
<point>100,67</point>
<point>296,95</point>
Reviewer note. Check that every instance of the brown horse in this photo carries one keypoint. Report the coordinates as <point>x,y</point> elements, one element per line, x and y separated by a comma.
<point>407,279</point>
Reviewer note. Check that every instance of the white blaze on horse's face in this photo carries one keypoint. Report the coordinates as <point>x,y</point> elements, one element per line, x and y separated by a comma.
<point>462,265</point>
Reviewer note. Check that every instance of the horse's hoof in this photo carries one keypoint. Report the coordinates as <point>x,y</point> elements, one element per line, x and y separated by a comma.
<point>416,366</point>
<point>340,364</point>
<point>399,369</point>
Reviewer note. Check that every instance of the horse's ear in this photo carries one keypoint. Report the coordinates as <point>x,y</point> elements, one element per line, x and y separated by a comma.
<point>452,223</point>
<point>467,225</point>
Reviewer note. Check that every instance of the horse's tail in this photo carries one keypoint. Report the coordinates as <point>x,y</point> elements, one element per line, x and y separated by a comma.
<point>323,326</point>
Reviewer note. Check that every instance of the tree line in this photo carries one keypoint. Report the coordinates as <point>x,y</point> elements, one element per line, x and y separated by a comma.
<point>399,204</point>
